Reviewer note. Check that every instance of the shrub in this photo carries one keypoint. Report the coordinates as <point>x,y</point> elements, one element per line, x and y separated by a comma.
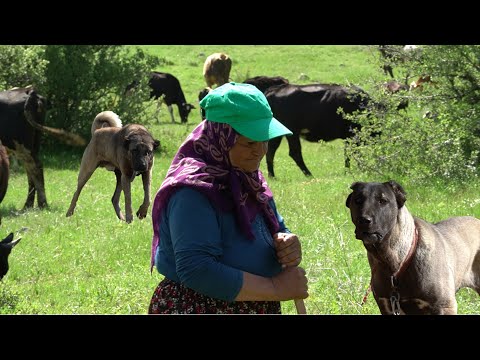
<point>439,134</point>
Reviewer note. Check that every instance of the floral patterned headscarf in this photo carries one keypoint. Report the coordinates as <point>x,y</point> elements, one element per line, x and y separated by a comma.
<point>203,163</point>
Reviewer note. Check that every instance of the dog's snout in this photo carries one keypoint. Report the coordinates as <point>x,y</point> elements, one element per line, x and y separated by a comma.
<point>365,220</point>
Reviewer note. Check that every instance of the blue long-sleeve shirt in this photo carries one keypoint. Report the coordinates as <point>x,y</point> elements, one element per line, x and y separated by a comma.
<point>205,249</point>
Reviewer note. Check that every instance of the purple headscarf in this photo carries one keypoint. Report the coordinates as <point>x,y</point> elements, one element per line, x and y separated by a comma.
<point>203,163</point>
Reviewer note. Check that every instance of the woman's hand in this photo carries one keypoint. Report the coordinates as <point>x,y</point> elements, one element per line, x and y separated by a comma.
<point>290,284</point>
<point>288,248</point>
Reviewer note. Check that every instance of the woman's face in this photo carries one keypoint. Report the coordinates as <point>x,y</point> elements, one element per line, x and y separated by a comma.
<point>246,154</point>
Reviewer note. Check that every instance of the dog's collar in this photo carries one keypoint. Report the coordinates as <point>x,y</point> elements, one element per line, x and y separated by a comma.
<point>395,296</point>
<point>408,258</point>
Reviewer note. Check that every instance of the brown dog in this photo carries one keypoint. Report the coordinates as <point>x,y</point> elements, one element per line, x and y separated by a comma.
<point>128,151</point>
<point>416,267</point>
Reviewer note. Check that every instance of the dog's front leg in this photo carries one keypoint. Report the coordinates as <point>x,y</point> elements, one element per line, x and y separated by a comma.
<point>146,179</point>
<point>87,167</point>
<point>126,183</point>
<point>116,195</point>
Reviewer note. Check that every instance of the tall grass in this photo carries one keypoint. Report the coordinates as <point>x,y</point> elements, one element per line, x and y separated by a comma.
<point>92,263</point>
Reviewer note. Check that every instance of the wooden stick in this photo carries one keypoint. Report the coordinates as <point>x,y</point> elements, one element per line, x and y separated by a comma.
<point>300,306</point>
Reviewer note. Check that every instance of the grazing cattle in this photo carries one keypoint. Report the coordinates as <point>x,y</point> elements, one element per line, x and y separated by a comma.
<point>311,111</point>
<point>216,69</point>
<point>22,115</point>
<point>387,55</point>
<point>264,82</point>
<point>391,55</point>
<point>130,88</point>
<point>166,87</point>
<point>418,84</point>
<point>394,87</point>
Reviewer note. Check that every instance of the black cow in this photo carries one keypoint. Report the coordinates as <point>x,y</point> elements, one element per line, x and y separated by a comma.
<point>264,82</point>
<point>166,87</point>
<point>22,139</point>
<point>311,111</point>
<point>22,115</point>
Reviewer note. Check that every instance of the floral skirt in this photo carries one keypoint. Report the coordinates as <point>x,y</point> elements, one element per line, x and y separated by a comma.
<point>171,297</point>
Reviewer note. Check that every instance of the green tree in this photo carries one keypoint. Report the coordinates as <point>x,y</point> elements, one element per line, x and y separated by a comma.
<point>83,80</point>
<point>80,81</point>
<point>21,66</point>
<point>439,134</point>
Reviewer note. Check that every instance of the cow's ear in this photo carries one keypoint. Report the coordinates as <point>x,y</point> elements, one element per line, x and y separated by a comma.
<point>156,144</point>
<point>400,194</point>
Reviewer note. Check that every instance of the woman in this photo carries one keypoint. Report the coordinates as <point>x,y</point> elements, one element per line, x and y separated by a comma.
<point>218,238</point>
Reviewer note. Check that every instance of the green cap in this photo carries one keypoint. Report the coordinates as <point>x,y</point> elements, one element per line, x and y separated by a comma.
<point>245,109</point>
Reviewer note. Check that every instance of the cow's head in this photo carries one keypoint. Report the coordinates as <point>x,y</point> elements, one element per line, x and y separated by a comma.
<point>184,110</point>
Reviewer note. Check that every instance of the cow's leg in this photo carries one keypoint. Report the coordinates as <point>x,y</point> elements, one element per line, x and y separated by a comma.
<point>34,170</point>
<point>126,183</point>
<point>273,145</point>
<point>388,70</point>
<point>170,110</point>
<point>87,167</point>
<point>146,179</point>
<point>295,152</point>
<point>157,111</point>
<point>345,155</point>
<point>31,192</point>
<point>39,183</point>
<point>116,195</point>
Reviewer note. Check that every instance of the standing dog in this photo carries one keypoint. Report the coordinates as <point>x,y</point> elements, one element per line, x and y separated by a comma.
<point>416,267</point>
<point>128,151</point>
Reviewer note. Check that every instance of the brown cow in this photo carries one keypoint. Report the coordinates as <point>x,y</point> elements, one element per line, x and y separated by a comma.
<point>216,69</point>
<point>418,84</point>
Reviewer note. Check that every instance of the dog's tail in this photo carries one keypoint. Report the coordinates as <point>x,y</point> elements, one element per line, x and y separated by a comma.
<point>106,119</point>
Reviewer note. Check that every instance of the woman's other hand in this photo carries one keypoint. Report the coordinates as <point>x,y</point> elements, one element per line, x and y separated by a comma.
<point>288,248</point>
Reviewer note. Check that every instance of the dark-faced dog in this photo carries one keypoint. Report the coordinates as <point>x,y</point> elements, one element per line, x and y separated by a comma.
<point>128,151</point>
<point>416,267</point>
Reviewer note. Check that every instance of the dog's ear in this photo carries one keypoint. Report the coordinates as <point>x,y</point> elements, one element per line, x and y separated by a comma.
<point>400,194</point>
<point>156,144</point>
<point>354,186</point>
<point>347,203</point>
<point>126,142</point>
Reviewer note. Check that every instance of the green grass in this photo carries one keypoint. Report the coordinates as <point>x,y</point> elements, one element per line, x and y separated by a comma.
<point>92,263</point>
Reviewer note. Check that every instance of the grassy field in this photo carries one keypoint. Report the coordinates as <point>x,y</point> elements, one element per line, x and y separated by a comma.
<point>92,263</point>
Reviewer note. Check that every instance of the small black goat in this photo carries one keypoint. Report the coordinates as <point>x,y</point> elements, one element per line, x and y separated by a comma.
<point>6,246</point>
